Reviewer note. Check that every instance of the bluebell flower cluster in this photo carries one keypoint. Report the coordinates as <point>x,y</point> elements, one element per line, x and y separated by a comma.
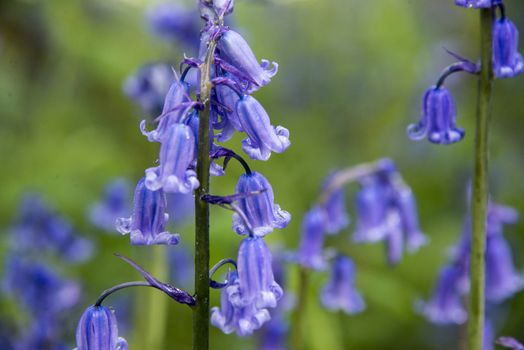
<point>438,118</point>
<point>385,211</point>
<point>502,280</point>
<point>235,75</point>
<point>250,291</point>
<point>38,288</point>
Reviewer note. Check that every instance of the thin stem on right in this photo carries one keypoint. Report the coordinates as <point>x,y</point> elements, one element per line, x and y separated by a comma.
<point>479,198</point>
<point>297,337</point>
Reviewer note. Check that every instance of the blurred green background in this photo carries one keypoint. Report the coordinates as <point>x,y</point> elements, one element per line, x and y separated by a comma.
<point>351,78</point>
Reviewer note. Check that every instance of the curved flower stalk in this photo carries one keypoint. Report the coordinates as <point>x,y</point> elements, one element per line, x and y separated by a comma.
<point>97,328</point>
<point>148,221</point>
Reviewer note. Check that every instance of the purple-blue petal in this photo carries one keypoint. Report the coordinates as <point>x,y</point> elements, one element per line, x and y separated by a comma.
<point>437,122</point>
<point>263,138</point>
<point>148,221</point>
<point>259,209</point>
<point>507,61</point>
<point>339,292</point>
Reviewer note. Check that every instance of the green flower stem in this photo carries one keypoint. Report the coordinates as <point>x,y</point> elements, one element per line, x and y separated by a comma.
<point>157,306</point>
<point>479,198</point>
<point>297,336</point>
<point>201,310</point>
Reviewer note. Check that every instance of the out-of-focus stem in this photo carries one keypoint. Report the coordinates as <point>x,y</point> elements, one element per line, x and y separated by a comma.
<point>479,198</point>
<point>297,336</point>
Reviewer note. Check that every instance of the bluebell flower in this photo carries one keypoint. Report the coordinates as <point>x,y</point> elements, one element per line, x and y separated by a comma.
<point>310,251</point>
<point>256,282</point>
<point>233,49</point>
<point>114,204</point>
<point>339,292</point>
<point>148,221</point>
<point>226,101</point>
<point>177,104</point>
<point>98,330</point>
<point>445,306</point>
<point>230,317</point>
<point>511,343</point>
<point>42,333</point>
<point>502,281</point>
<point>41,290</point>
<point>437,122</point>
<point>149,86</point>
<point>261,211</point>
<point>263,138</point>
<point>507,61</point>
<point>372,207</point>
<point>175,23</point>
<point>274,334</point>
<point>407,208</point>
<point>335,208</point>
<point>177,153</point>
<point>478,3</point>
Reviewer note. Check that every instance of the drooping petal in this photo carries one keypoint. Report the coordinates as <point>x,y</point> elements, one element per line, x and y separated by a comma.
<point>407,207</point>
<point>437,122</point>
<point>339,292</point>
<point>445,306</point>
<point>507,61</point>
<point>148,221</point>
<point>98,330</point>
<point>231,317</point>
<point>234,50</point>
<point>255,276</point>
<point>372,210</point>
<point>310,251</point>
<point>263,138</point>
<point>177,153</point>
<point>502,281</point>
<point>259,209</point>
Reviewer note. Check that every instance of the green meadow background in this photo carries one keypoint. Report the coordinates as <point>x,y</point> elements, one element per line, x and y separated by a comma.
<point>352,74</point>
